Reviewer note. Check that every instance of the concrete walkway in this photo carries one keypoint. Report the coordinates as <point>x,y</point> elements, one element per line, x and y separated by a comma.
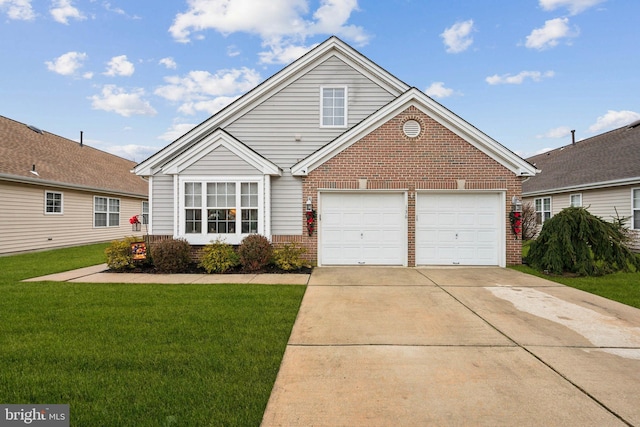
<point>456,347</point>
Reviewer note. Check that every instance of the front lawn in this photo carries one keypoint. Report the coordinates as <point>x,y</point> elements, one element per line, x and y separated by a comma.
<point>139,355</point>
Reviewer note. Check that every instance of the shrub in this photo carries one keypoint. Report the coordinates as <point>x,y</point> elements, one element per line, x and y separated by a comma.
<point>576,241</point>
<point>171,256</point>
<point>289,257</point>
<point>119,256</point>
<point>255,252</point>
<point>218,257</point>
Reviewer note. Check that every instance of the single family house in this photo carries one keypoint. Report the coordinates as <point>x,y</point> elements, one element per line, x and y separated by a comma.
<point>601,174</point>
<point>55,192</point>
<point>338,155</point>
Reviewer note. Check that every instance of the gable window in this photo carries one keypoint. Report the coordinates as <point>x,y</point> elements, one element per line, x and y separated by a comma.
<point>333,106</point>
<point>543,209</point>
<point>635,208</point>
<point>52,202</point>
<point>106,212</point>
<point>576,200</point>
<point>225,209</point>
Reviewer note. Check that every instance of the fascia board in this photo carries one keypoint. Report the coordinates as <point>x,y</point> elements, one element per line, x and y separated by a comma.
<point>213,141</point>
<point>416,98</point>
<point>583,187</point>
<point>332,46</point>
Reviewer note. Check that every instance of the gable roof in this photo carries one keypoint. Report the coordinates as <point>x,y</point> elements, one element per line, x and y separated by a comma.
<point>61,162</point>
<point>417,98</point>
<point>330,47</point>
<point>608,159</point>
<point>220,138</point>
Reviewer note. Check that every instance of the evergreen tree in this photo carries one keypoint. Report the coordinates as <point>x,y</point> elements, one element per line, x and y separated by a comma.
<point>576,241</point>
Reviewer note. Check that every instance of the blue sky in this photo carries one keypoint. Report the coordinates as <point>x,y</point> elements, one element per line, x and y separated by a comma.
<point>133,76</point>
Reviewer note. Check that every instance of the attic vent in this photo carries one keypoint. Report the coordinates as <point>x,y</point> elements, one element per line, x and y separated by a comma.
<point>35,129</point>
<point>411,128</point>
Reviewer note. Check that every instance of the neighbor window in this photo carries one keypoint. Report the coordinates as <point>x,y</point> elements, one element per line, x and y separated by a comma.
<point>576,200</point>
<point>53,202</point>
<point>225,208</point>
<point>543,209</point>
<point>636,209</point>
<point>106,212</point>
<point>333,106</point>
<point>145,213</point>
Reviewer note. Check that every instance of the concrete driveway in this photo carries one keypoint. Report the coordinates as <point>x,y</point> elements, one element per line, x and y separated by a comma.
<point>456,346</point>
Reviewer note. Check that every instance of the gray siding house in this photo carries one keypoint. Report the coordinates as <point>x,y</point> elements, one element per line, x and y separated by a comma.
<point>336,138</point>
<point>601,174</point>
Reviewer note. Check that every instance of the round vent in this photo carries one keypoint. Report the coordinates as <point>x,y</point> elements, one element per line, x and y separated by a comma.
<point>411,128</point>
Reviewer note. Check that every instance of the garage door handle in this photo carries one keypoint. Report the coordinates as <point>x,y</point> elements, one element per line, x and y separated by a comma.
<point>361,235</point>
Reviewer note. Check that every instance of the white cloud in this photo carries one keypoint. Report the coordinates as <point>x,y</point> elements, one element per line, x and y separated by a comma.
<point>203,91</point>
<point>457,37</point>
<point>549,35</point>
<point>68,63</point>
<point>559,132</point>
<point>169,63</point>
<point>119,66</point>
<point>283,54</point>
<point>63,11</point>
<point>176,131</point>
<point>519,78</point>
<point>19,10</point>
<point>574,6</point>
<point>117,100</point>
<point>437,90</point>
<point>131,152</point>
<point>614,119</point>
<point>281,24</point>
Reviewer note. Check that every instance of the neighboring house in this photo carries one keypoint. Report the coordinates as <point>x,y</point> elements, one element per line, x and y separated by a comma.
<point>601,174</point>
<point>55,192</point>
<point>393,177</point>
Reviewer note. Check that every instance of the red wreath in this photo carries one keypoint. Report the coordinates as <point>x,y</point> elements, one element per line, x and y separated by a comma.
<point>134,220</point>
<point>516,222</point>
<point>311,221</point>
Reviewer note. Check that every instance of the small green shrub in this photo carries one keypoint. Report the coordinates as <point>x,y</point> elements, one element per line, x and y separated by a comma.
<point>119,256</point>
<point>289,257</point>
<point>255,252</point>
<point>171,256</point>
<point>219,257</point>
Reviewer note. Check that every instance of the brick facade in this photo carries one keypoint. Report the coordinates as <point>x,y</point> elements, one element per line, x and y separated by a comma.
<point>386,159</point>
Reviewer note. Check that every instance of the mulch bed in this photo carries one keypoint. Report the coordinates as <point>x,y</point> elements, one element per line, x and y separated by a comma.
<point>194,269</point>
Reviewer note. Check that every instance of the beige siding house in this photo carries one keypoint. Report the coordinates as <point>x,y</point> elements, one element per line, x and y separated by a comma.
<point>338,155</point>
<point>601,174</point>
<point>55,192</point>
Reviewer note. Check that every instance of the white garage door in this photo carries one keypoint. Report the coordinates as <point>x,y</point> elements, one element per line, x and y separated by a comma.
<point>458,229</point>
<point>362,229</point>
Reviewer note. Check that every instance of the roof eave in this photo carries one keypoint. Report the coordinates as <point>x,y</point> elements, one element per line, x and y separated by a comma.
<point>582,187</point>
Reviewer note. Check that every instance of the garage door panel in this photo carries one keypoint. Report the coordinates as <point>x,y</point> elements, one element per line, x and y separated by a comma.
<point>459,229</point>
<point>373,223</point>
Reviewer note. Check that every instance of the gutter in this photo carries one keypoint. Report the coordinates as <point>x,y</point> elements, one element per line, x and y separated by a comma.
<point>590,186</point>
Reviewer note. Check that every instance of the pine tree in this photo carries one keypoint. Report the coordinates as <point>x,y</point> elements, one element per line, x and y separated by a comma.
<point>576,241</point>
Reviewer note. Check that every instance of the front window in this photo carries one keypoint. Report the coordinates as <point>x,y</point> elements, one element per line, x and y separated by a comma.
<point>53,202</point>
<point>145,213</point>
<point>636,209</point>
<point>543,209</point>
<point>333,106</point>
<point>576,200</point>
<point>228,209</point>
<point>106,212</point>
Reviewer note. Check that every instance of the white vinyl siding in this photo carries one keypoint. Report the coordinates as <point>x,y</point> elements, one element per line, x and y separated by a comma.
<point>25,226</point>
<point>575,200</point>
<point>635,222</point>
<point>162,204</point>
<point>223,162</point>
<point>53,203</point>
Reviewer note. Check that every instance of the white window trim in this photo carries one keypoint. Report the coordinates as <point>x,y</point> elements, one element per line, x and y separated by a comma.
<point>543,211</point>
<point>346,105</point>
<point>204,238</point>
<point>47,192</point>
<point>142,212</point>
<point>571,197</point>
<point>634,226</point>
<point>94,212</point>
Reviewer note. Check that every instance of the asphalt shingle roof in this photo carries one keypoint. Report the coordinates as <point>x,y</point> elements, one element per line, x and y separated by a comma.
<point>611,156</point>
<point>63,161</point>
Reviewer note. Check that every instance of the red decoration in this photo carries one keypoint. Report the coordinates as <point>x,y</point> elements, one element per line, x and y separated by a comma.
<point>311,221</point>
<point>134,220</point>
<point>516,222</point>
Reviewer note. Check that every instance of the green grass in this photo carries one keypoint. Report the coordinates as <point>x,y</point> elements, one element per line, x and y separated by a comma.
<point>621,287</point>
<point>139,355</point>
